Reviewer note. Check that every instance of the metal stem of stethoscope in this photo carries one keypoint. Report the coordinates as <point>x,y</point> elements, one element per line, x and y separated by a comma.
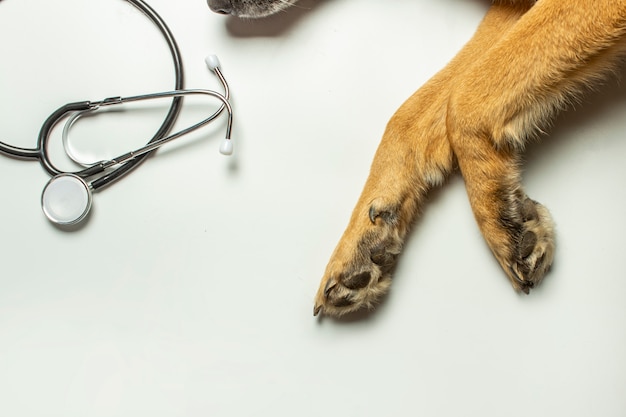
<point>225,149</point>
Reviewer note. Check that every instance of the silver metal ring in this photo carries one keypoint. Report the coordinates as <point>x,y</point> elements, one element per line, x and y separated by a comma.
<point>66,199</point>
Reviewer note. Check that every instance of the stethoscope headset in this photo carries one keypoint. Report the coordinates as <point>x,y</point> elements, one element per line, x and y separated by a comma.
<point>67,198</point>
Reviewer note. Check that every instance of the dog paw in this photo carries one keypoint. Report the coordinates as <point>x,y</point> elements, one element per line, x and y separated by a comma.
<point>534,245</point>
<point>359,272</point>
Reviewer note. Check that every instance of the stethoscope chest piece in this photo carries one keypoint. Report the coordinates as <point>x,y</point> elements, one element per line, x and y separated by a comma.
<point>66,199</point>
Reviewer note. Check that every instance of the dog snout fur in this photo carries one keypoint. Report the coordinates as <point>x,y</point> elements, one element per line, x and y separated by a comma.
<point>220,6</point>
<point>249,9</point>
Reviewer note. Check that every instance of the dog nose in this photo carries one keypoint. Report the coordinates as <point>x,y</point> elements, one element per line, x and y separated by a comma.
<point>220,6</point>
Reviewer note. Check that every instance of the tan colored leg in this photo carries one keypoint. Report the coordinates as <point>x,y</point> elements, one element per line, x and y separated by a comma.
<point>504,98</point>
<point>413,157</point>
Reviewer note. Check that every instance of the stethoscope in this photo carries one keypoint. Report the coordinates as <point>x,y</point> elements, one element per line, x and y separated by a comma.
<point>67,197</point>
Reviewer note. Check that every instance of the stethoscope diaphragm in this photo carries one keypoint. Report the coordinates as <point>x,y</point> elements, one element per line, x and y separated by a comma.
<point>66,199</point>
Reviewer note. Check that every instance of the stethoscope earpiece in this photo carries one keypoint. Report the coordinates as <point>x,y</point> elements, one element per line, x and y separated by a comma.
<point>66,199</point>
<point>212,61</point>
<point>226,147</point>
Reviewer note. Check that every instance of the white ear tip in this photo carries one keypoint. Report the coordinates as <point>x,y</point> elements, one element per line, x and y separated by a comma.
<point>226,148</point>
<point>212,62</point>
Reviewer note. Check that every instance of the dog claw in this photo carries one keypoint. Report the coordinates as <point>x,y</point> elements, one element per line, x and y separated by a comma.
<point>330,285</point>
<point>388,216</point>
<point>525,286</point>
<point>373,214</point>
<point>516,277</point>
<point>317,309</point>
<point>531,246</point>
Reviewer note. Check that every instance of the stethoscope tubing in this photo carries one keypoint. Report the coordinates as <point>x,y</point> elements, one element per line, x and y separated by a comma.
<point>176,105</point>
<point>40,153</point>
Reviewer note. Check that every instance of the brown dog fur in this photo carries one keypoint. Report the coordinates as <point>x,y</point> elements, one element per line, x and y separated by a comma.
<point>527,60</point>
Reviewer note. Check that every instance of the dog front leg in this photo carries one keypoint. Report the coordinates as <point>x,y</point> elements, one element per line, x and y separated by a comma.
<point>546,59</point>
<point>413,157</point>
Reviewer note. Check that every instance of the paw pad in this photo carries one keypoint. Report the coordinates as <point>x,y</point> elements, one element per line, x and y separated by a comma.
<point>534,247</point>
<point>358,281</point>
<point>527,245</point>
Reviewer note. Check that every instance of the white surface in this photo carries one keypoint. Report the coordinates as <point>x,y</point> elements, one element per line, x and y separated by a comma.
<point>189,291</point>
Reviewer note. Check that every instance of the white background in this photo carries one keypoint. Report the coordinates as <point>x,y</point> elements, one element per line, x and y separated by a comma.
<point>189,291</point>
